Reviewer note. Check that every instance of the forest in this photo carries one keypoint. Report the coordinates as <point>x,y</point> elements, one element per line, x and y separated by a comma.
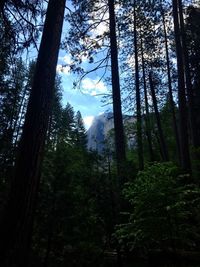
<point>64,205</point>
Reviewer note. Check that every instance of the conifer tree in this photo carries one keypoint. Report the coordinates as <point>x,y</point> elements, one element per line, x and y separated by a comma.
<point>16,225</point>
<point>183,125</point>
<point>80,132</point>
<point>116,94</point>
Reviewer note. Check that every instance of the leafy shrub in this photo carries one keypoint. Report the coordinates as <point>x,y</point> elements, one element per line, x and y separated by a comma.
<point>164,210</point>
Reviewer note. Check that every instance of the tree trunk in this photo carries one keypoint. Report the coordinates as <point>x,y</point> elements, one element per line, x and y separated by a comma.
<point>16,226</point>
<point>138,100</point>
<point>189,89</point>
<point>171,101</point>
<point>183,126</point>
<point>147,117</point>
<point>164,150</point>
<point>118,120</point>
<point>19,124</point>
<point>194,127</point>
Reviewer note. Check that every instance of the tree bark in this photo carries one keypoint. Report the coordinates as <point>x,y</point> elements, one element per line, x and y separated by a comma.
<point>147,117</point>
<point>160,131</point>
<point>183,126</point>
<point>16,226</point>
<point>118,120</point>
<point>189,89</point>
<point>138,100</point>
<point>171,101</point>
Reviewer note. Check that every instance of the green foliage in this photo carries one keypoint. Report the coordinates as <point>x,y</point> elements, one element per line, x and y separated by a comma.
<point>163,211</point>
<point>70,224</point>
<point>14,94</point>
<point>79,195</point>
<point>80,137</point>
<point>67,213</point>
<point>167,125</point>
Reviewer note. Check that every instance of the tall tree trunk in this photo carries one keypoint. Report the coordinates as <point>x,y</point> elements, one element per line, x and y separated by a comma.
<point>189,89</point>
<point>118,120</point>
<point>147,117</point>
<point>171,101</point>
<point>160,131</point>
<point>16,226</point>
<point>194,127</point>
<point>183,126</point>
<point>18,123</point>
<point>138,100</point>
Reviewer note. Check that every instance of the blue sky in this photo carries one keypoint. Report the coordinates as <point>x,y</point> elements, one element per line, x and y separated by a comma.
<point>86,99</point>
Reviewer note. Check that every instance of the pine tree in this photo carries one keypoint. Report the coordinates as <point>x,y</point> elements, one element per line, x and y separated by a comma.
<point>80,136</point>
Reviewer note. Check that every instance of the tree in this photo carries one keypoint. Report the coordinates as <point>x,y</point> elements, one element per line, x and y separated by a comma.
<point>80,137</point>
<point>148,130</point>
<point>14,94</point>
<point>171,101</point>
<point>192,41</point>
<point>138,101</point>
<point>22,17</point>
<point>183,126</point>
<point>191,31</point>
<point>18,217</point>
<point>160,216</point>
<point>188,84</point>
<point>163,146</point>
<point>118,121</point>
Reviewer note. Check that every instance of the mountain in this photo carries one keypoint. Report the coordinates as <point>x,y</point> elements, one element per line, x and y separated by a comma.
<point>102,129</point>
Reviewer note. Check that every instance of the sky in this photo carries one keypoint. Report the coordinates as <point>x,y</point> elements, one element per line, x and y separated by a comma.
<point>87,99</point>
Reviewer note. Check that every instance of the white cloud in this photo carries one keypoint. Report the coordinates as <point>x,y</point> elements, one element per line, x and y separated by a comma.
<point>64,64</point>
<point>67,59</point>
<point>93,86</point>
<point>100,29</point>
<point>88,121</point>
<point>63,69</point>
<point>103,15</point>
<point>59,68</point>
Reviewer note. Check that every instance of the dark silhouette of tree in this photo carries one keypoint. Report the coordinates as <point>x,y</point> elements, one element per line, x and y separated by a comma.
<point>24,17</point>
<point>148,130</point>
<point>192,41</point>
<point>192,31</point>
<point>183,126</point>
<point>80,137</point>
<point>163,146</point>
<point>17,221</point>
<point>187,75</point>
<point>171,100</point>
<point>118,120</point>
<point>138,100</point>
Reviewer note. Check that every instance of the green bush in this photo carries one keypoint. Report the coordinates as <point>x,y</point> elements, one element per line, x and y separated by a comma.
<point>164,210</point>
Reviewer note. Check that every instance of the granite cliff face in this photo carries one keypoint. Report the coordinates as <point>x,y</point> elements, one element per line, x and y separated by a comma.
<point>102,129</point>
<point>98,131</point>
